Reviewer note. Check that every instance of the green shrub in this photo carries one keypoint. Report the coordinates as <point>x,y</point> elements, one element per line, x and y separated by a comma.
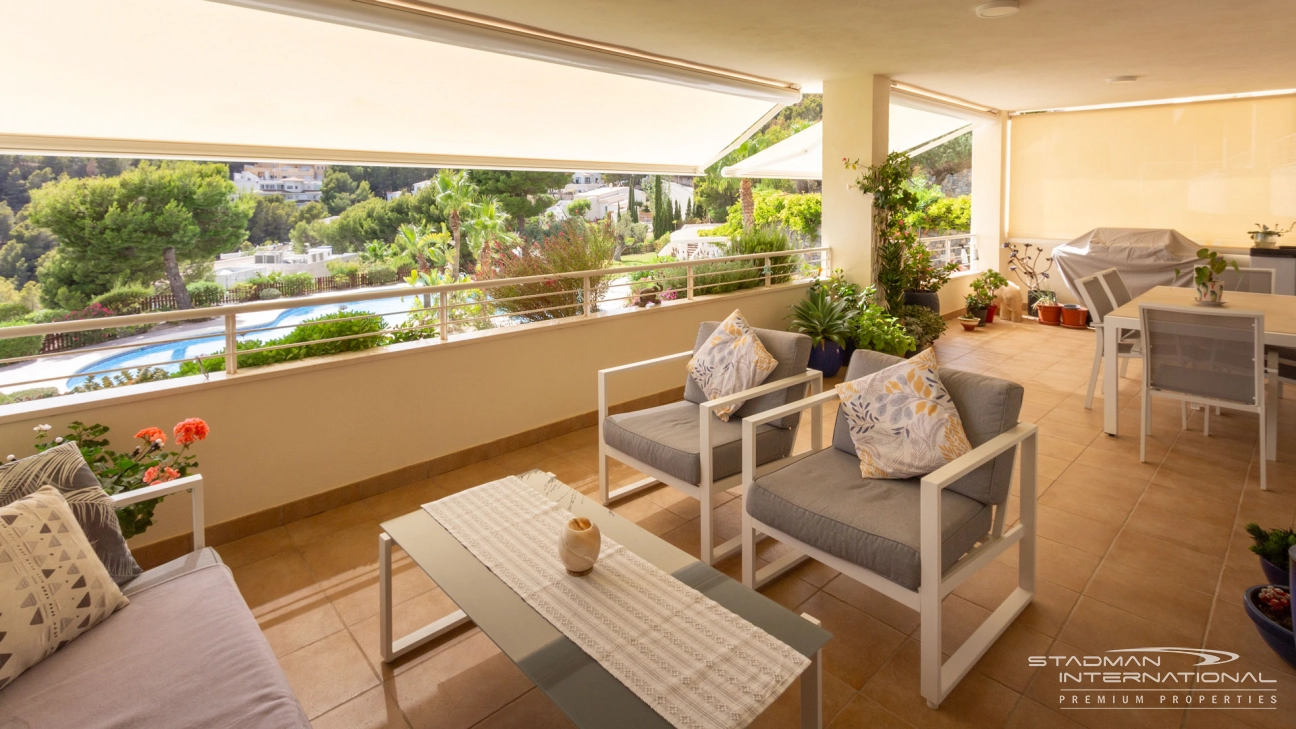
<point>19,346</point>
<point>877,330</point>
<point>45,316</point>
<point>768,239</point>
<point>125,377</point>
<point>923,324</point>
<point>243,292</point>
<point>296,284</point>
<point>343,268</point>
<point>577,246</point>
<point>268,294</point>
<point>205,293</point>
<point>33,393</point>
<point>12,311</point>
<point>128,299</point>
<point>380,274</point>
<point>311,330</point>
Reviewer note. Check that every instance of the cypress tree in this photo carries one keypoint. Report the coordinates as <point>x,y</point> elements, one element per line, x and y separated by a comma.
<point>632,208</point>
<point>659,216</point>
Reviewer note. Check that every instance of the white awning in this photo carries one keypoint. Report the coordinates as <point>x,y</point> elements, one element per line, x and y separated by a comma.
<point>800,156</point>
<point>352,82</point>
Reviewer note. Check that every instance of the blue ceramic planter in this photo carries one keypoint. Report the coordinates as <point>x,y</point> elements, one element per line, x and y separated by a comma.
<point>1275,575</point>
<point>827,358</point>
<point>1279,638</point>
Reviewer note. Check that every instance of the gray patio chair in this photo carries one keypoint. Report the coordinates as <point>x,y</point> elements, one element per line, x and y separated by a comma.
<point>1212,357</point>
<point>685,446</point>
<point>1248,280</point>
<point>914,540</point>
<point>1103,293</point>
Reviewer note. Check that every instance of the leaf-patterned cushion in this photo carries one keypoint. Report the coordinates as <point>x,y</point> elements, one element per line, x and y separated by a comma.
<point>63,468</point>
<point>731,361</point>
<point>52,587</point>
<point>902,421</point>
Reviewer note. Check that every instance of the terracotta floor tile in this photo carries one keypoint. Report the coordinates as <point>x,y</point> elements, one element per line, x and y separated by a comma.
<point>403,500</point>
<point>1108,504</point>
<point>355,596</point>
<point>532,710</point>
<point>327,673</point>
<point>1030,714</point>
<point>1232,630</point>
<point>786,709</point>
<point>976,702</point>
<point>256,547</point>
<point>459,686</point>
<point>299,623</point>
<point>322,525</point>
<point>1047,612</point>
<point>1176,564</point>
<point>860,644</point>
<point>1144,594</point>
<point>1096,626</point>
<point>341,555</point>
<point>865,712</point>
<point>407,616</point>
<point>1209,539</point>
<point>873,603</point>
<point>373,709</point>
<point>1006,661</point>
<point>1077,531</point>
<point>274,582</point>
<point>469,476</point>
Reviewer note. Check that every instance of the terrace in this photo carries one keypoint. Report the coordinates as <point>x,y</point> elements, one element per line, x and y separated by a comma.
<point>416,392</point>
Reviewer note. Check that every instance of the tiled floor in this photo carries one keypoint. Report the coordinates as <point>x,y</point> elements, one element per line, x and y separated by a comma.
<point>1130,554</point>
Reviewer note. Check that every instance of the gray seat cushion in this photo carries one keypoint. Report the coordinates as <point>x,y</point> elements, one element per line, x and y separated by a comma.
<point>185,654</point>
<point>791,350</point>
<point>823,501</point>
<point>988,406</point>
<point>666,437</point>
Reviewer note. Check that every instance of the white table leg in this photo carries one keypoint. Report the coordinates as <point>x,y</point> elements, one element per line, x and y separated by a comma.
<point>1111,384</point>
<point>1271,408</point>
<point>393,649</point>
<point>812,689</point>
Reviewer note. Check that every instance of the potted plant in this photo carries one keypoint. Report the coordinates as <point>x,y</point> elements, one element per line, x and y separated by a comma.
<point>976,305</point>
<point>1210,290</point>
<point>923,324</point>
<point>986,285</point>
<point>1075,316</point>
<point>1266,237</point>
<point>854,296</point>
<point>826,321</point>
<point>1024,263</point>
<point>1269,607</point>
<point>1047,308</point>
<point>877,330</point>
<point>925,278</point>
<point>1272,546</point>
<point>970,323</point>
<point>893,239</point>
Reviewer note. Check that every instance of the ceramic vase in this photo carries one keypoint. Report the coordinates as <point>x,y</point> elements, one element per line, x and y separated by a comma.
<point>578,546</point>
<point>1212,291</point>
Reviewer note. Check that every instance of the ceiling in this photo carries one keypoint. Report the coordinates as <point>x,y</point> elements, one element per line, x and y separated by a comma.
<point>1052,53</point>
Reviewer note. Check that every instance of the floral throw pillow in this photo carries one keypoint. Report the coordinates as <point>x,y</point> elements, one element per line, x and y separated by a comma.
<point>732,360</point>
<point>902,421</point>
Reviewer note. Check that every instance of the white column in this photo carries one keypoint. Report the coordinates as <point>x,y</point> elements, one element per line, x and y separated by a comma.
<point>855,116</point>
<point>989,186</point>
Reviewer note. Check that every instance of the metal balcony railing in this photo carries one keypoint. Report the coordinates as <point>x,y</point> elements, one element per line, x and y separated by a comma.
<point>436,312</point>
<point>959,248</point>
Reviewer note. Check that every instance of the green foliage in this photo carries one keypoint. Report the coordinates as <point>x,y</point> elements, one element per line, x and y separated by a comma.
<point>124,299</point>
<point>947,159</point>
<point>13,310</point>
<point>45,316</point>
<point>1272,544</point>
<point>118,229</point>
<point>799,213</point>
<point>272,219</point>
<point>949,215</point>
<point>921,271</point>
<point>205,293</point>
<point>893,199</point>
<point>988,283</point>
<point>20,174</point>
<point>922,324</point>
<point>1214,265</point>
<point>28,395</point>
<point>577,246</point>
<point>381,274</point>
<point>344,323</point>
<point>578,208</point>
<point>877,330</point>
<point>19,346</point>
<point>766,239</point>
<point>522,193</point>
<point>269,294</point>
<point>122,379</point>
<point>21,246</point>
<point>339,192</point>
<point>343,269</point>
<point>821,317</point>
<point>383,180</point>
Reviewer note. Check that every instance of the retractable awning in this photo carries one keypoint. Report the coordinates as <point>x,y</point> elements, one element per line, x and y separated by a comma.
<point>351,81</point>
<point>800,156</point>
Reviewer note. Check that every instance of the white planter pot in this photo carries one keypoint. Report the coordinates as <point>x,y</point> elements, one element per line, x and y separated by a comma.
<point>1211,291</point>
<point>1265,240</point>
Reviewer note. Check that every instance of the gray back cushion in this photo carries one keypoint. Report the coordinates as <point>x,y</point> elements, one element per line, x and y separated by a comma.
<point>988,406</point>
<point>791,350</point>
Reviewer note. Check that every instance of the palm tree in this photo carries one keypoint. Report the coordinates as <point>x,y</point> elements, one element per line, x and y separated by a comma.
<point>455,196</point>
<point>427,249</point>
<point>375,252</point>
<point>487,228</point>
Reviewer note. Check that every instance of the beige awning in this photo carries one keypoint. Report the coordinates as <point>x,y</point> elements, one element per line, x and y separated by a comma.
<point>367,83</point>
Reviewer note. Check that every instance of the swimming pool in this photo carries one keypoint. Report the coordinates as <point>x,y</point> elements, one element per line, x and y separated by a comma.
<point>394,310</point>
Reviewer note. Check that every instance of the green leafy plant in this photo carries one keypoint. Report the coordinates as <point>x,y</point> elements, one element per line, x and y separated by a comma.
<point>576,246</point>
<point>1276,231</point>
<point>205,293</point>
<point>122,379</point>
<point>20,346</point>
<point>352,324</point>
<point>13,310</point>
<point>1272,544</point>
<point>268,294</point>
<point>28,395</point>
<point>127,299</point>
<point>146,465</point>
<point>877,330</point>
<point>921,271</point>
<point>821,317</point>
<point>1214,265</point>
<point>893,200</point>
<point>976,301</point>
<point>922,324</point>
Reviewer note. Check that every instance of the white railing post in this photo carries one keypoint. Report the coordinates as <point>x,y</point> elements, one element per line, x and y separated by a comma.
<point>231,344</point>
<point>443,310</point>
<point>589,303</point>
<point>769,272</point>
<point>688,267</point>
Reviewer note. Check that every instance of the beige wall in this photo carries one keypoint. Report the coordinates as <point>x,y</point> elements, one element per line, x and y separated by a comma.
<point>276,439</point>
<point>1210,170</point>
<point>854,119</point>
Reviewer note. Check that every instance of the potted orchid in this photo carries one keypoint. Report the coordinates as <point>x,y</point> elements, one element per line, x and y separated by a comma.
<point>146,465</point>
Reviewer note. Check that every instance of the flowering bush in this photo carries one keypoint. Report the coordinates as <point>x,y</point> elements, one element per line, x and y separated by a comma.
<point>146,465</point>
<point>1275,602</point>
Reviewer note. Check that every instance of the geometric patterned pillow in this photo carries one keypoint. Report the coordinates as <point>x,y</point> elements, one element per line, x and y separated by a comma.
<point>52,586</point>
<point>63,468</point>
<point>902,421</point>
<point>731,361</point>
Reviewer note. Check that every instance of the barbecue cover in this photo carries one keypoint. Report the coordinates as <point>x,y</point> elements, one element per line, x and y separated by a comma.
<point>1145,257</point>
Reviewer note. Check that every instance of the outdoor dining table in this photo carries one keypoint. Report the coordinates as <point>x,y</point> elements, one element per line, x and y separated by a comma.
<point>1280,331</point>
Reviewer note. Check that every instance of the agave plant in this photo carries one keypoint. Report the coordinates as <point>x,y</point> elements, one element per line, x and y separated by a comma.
<point>821,317</point>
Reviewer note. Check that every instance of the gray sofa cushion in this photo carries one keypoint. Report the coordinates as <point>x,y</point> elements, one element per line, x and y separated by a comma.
<point>988,406</point>
<point>185,654</point>
<point>825,502</point>
<point>792,351</point>
<point>667,437</point>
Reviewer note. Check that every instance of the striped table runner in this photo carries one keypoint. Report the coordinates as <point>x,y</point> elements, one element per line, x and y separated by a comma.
<point>697,664</point>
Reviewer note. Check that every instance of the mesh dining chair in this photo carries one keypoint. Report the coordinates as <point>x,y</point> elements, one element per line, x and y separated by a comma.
<point>1211,357</point>
<point>1248,280</point>
<point>1102,293</point>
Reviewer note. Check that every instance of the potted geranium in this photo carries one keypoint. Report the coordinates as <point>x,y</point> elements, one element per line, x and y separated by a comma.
<point>1272,545</point>
<point>925,277</point>
<point>1210,290</point>
<point>1269,607</point>
<point>827,321</point>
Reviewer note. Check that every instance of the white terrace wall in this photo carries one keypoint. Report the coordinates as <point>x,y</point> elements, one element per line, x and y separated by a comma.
<point>284,433</point>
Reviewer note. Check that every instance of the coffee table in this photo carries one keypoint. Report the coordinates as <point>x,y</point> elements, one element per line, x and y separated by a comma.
<point>575,682</point>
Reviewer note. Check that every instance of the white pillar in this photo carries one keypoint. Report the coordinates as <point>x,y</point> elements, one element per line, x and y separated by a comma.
<point>989,191</point>
<point>855,126</point>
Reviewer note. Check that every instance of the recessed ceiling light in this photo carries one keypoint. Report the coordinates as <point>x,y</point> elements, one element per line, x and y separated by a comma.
<point>998,8</point>
<point>1122,79</point>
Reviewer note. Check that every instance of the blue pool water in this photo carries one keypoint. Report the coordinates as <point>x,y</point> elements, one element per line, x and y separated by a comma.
<point>394,310</point>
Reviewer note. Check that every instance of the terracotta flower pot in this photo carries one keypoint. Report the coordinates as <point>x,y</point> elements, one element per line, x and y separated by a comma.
<point>1049,314</point>
<point>990,313</point>
<point>1075,317</point>
<point>579,545</point>
<point>969,323</point>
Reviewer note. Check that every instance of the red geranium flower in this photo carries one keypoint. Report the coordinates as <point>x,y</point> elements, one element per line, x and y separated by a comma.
<point>158,474</point>
<point>191,430</point>
<point>150,435</point>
